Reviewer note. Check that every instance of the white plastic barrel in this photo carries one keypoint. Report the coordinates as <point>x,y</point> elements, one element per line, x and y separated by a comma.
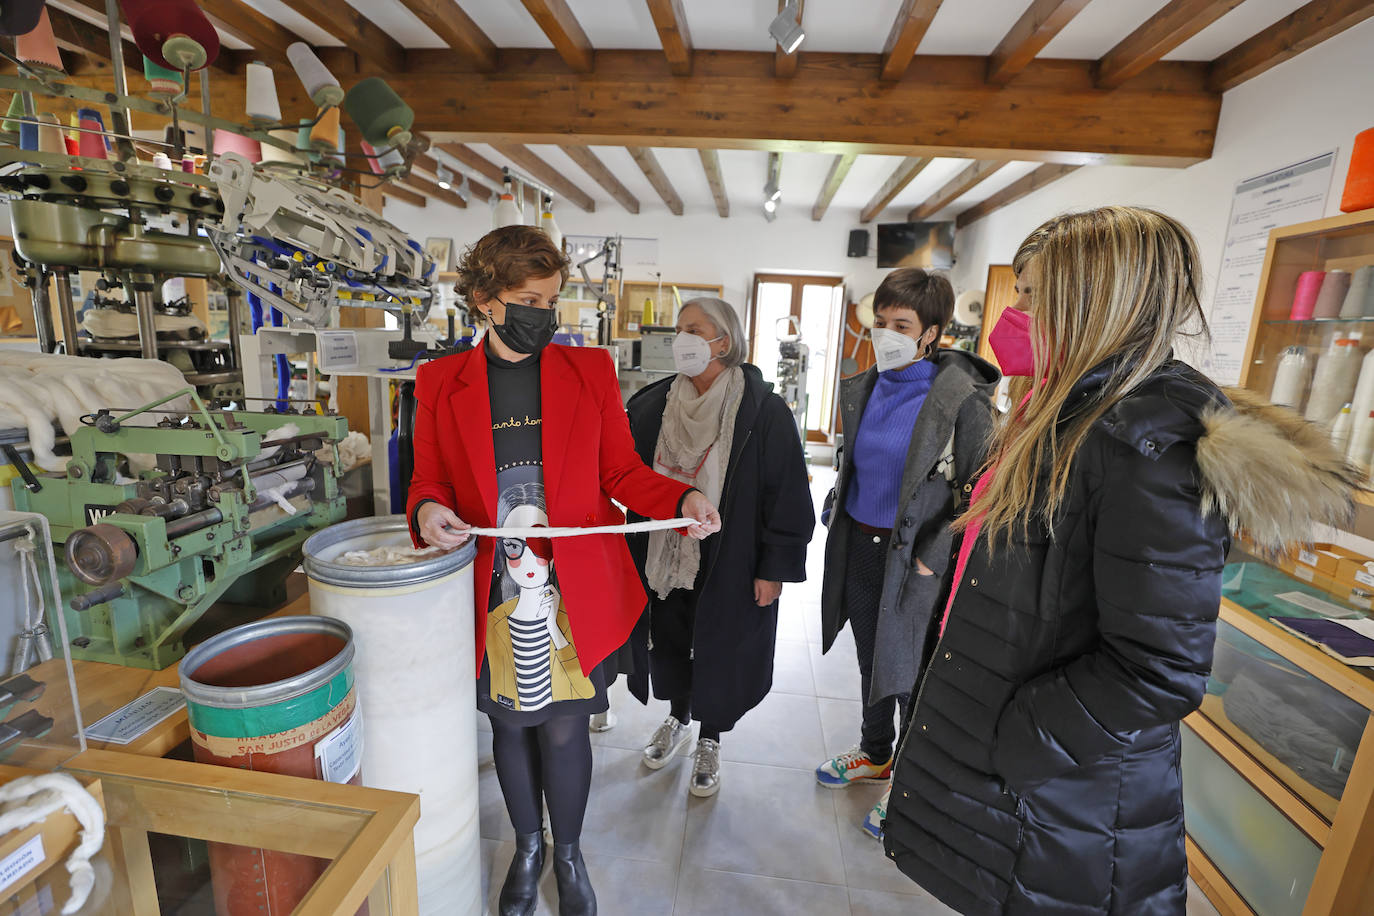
<point>413,634</point>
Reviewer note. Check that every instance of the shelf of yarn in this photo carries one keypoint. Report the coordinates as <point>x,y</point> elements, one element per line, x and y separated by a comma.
<point>1321,322</point>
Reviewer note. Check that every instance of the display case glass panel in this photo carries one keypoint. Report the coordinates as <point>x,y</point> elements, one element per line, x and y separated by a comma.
<point>1268,860</point>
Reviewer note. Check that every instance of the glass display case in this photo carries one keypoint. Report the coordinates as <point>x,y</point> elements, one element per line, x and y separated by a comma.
<point>362,839</point>
<point>1278,763</point>
<point>40,721</point>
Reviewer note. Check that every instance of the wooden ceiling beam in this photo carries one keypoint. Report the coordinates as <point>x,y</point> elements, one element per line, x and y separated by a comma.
<point>484,167</point>
<point>433,191</point>
<point>1305,27</point>
<point>968,179</point>
<point>1177,22</point>
<point>710,163</point>
<point>839,168</point>
<point>261,33</point>
<point>902,176</point>
<point>671,23</point>
<point>546,173</point>
<point>588,162</point>
<point>1041,21</point>
<point>1052,112</point>
<point>358,33</point>
<point>1027,184</point>
<point>648,164</point>
<point>457,29</point>
<point>562,28</point>
<point>785,65</point>
<point>908,29</point>
<point>414,198</point>
<point>78,35</point>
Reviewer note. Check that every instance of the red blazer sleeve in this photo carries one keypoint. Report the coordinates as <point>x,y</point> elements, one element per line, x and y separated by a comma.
<point>430,478</point>
<point>623,475</point>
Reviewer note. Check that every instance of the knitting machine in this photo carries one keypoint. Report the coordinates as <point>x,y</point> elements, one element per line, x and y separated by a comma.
<point>230,493</point>
<point>100,217</point>
<point>793,359</point>
<point>302,246</point>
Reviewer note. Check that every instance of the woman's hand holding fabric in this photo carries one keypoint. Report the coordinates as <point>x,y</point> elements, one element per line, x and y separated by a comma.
<point>766,592</point>
<point>696,505</point>
<point>440,526</point>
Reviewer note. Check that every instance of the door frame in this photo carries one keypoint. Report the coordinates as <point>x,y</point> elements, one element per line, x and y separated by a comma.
<point>798,281</point>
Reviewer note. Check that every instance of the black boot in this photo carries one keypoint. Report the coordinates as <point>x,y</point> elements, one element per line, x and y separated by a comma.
<point>575,894</point>
<point>521,890</point>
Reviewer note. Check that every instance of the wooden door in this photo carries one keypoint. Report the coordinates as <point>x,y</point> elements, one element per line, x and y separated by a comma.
<point>1001,293</point>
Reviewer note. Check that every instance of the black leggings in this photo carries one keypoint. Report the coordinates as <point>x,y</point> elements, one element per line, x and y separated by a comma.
<point>553,759</point>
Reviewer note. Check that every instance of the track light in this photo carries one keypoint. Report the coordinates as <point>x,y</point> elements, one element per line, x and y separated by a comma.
<point>463,189</point>
<point>445,177</point>
<point>786,28</point>
<point>771,192</point>
<point>770,210</point>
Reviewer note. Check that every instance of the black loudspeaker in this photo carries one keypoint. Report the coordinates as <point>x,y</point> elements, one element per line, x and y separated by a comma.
<point>858,243</point>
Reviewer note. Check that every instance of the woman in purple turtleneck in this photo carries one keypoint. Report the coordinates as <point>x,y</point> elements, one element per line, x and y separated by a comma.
<point>917,425</point>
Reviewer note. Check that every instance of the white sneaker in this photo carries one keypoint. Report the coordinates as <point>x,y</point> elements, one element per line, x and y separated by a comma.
<point>669,738</point>
<point>603,721</point>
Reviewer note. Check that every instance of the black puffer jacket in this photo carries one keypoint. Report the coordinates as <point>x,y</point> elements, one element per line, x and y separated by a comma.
<point>1040,773</point>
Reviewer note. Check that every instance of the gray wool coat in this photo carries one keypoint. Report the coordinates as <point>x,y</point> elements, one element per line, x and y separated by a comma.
<point>959,403</point>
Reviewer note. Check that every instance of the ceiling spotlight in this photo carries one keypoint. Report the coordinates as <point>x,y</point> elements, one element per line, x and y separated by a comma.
<point>445,177</point>
<point>771,192</point>
<point>771,205</point>
<point>786,28</point>
<point>463,189</point>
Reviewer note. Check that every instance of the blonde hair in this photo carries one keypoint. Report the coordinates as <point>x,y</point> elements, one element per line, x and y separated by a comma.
<point>1113,285</point>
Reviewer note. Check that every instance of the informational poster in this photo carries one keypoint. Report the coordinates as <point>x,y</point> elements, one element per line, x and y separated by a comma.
<point>1292,194</point>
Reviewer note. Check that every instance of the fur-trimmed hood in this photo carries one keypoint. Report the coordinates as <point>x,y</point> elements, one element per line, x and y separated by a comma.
<point>1274,475</point>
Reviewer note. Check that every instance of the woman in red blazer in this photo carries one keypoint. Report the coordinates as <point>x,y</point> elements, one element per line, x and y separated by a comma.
<point>520,433</point>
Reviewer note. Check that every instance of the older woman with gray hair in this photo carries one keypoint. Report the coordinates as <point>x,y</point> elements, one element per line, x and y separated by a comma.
<point>706,640</point>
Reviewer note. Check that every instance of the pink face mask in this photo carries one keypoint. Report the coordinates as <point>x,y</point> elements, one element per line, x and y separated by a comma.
<point>1011,343</point>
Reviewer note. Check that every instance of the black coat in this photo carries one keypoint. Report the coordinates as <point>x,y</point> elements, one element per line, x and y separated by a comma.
<point>766,522</point>
<point>1040,772</point>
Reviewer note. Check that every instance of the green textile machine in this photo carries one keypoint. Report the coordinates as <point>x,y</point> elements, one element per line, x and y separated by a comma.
<point>232,493</point>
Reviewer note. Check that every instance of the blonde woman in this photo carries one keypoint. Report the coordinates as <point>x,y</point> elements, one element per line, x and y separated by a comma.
<point>1040,771</point>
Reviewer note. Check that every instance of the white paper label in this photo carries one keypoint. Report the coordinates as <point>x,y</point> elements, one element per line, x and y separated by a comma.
<point>337,350</point>
<point>134,720</point>
<point>1364,578</point>
<point>1307,558</point>
<point>1312,603</point>
<point>340,752</point>
<point>1361,601</point>
<point>1306,573</point>
<point>20,862</point>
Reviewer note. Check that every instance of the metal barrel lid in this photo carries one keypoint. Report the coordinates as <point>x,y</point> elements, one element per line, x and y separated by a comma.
<point>323,548</point>
<point>274,691</point>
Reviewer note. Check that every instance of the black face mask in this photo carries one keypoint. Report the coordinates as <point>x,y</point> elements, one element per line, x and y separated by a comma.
<point>527,329</point>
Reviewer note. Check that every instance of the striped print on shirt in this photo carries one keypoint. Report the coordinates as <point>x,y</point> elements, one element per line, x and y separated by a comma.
<point>533,673</point>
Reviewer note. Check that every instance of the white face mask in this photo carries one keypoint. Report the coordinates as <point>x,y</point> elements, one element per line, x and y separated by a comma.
<point>893,349</point>
<point>692,354</point>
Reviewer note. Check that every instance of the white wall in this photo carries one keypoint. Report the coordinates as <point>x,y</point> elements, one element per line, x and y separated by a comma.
<point>697,248</point>
<point>1311,104</point>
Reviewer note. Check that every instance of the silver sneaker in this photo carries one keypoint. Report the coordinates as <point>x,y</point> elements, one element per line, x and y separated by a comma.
<point>705,769</point>
<point>668,739</point>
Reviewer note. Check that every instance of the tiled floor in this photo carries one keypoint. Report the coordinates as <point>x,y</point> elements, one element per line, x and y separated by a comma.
<point>772,841</point>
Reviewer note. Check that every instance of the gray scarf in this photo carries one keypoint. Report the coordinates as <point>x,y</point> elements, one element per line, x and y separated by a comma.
<point>693,447</point>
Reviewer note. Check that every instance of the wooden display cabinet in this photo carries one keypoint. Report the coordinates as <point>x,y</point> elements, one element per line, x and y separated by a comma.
<point>1344,242</point>
<point>1278,763</point>
<point>633,293</point>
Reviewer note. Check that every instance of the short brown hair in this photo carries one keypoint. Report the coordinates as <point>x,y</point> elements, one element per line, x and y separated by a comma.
<point>929,295</point>
<point>505,258</point>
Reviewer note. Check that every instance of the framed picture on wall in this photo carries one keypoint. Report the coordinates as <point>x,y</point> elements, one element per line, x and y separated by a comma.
<point>441,250</point>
